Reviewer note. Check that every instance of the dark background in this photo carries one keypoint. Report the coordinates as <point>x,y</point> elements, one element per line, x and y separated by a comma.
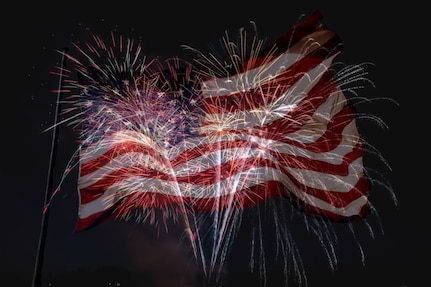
<point>390,37</point>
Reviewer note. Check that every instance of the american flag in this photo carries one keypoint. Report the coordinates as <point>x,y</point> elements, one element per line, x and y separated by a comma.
<point>272,123</point>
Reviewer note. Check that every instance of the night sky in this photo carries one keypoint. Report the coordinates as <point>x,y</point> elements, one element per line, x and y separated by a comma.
<point>388,37</point>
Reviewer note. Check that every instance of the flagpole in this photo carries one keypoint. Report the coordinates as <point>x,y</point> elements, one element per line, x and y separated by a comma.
<point>37,275</point>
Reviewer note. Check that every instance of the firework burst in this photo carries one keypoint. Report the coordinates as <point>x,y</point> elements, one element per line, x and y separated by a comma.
<point>258,130</point>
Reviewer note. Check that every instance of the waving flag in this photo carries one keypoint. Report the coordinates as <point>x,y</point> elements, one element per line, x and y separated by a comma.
<point>273,123</point>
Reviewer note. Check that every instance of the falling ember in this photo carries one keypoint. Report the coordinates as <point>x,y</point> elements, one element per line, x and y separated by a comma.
<point>203,142</point>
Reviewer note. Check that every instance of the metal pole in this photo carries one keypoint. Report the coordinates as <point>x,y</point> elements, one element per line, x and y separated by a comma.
<point>37,275</point>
